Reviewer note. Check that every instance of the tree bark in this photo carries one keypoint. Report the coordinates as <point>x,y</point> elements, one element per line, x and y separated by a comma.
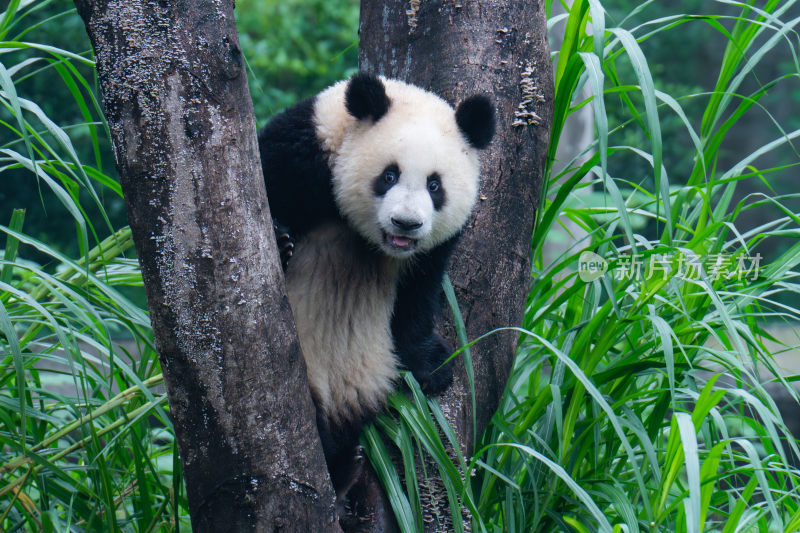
<point>181,120</point>
<point>457,48</point>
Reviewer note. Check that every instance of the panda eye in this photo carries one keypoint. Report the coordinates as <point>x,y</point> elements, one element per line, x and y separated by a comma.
<point>436,190</point>
<point>390,177</point>
<point>386,180</point>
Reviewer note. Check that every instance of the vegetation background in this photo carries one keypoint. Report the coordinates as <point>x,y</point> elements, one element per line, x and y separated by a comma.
<point>636,404</point>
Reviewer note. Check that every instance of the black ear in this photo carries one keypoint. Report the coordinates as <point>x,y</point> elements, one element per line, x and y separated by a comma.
<point>366,97</point>
<point>475,119</point>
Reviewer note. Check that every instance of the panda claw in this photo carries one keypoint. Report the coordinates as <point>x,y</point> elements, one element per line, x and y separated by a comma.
<point>284,241</point>
<point>359,454</point>
<point>357,467</point>
<point>285,256</point>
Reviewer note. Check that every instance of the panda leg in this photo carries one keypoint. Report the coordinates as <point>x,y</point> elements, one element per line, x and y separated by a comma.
<point>343,454</point>
<point>347,473</point>
<point>419,294</point>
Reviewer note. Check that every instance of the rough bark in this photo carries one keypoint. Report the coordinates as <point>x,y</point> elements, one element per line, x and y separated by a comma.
<point>457,48</point>
<point>181,119</point>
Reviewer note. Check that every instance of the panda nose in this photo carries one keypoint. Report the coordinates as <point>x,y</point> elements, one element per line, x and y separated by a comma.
<point>405,224</point>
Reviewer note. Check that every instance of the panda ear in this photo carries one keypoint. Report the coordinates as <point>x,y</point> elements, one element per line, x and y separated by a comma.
<point>366,97</point>
<point>475,119</point>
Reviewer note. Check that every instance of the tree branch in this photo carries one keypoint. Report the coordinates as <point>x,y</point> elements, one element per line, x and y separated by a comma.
<point>457,49</point>
<point>181,120</point>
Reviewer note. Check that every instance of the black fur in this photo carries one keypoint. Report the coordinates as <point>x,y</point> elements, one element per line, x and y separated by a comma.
<point>296,171</point>
<point>341,449</point>
<point>381,186</point>
<point>475,119</point>
<point>366,97</point>
<point>437,196</point>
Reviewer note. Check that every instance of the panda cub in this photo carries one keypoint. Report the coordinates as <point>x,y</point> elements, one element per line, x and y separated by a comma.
<point>369,185</point>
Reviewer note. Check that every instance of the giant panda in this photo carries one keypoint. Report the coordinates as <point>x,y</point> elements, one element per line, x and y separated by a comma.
<point>369,184</point>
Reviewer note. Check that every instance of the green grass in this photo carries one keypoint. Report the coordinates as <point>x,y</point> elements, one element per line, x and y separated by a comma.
<point>635,403</point>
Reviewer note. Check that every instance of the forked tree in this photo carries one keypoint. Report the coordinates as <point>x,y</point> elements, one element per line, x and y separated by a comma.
<point>176,99</point>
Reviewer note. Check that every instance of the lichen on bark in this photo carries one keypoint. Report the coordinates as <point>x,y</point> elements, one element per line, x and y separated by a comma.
<point>181,120</point>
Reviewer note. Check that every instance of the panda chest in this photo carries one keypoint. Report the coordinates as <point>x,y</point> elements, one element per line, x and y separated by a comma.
<point>342,297</point>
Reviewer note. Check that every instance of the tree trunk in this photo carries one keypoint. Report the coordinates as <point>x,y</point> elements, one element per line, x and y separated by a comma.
<point>455,49</point>
<point>181,119</point>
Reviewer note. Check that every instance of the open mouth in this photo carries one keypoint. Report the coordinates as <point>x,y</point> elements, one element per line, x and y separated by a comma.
<point>399,242</point>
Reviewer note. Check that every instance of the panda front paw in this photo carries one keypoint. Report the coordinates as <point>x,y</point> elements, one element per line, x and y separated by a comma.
<point>285,242</point>
<point>434,375</point>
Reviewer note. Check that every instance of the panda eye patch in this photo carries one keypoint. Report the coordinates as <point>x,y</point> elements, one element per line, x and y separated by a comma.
<point>436,190</point>
<point>386,180</point>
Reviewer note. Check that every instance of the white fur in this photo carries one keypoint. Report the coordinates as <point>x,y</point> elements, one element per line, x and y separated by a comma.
<point>342,304</point>
<point>408,200</point>
<point>343,308</point>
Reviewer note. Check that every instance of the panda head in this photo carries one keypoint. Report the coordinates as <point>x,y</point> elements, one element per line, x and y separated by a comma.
<point>405,174</point>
